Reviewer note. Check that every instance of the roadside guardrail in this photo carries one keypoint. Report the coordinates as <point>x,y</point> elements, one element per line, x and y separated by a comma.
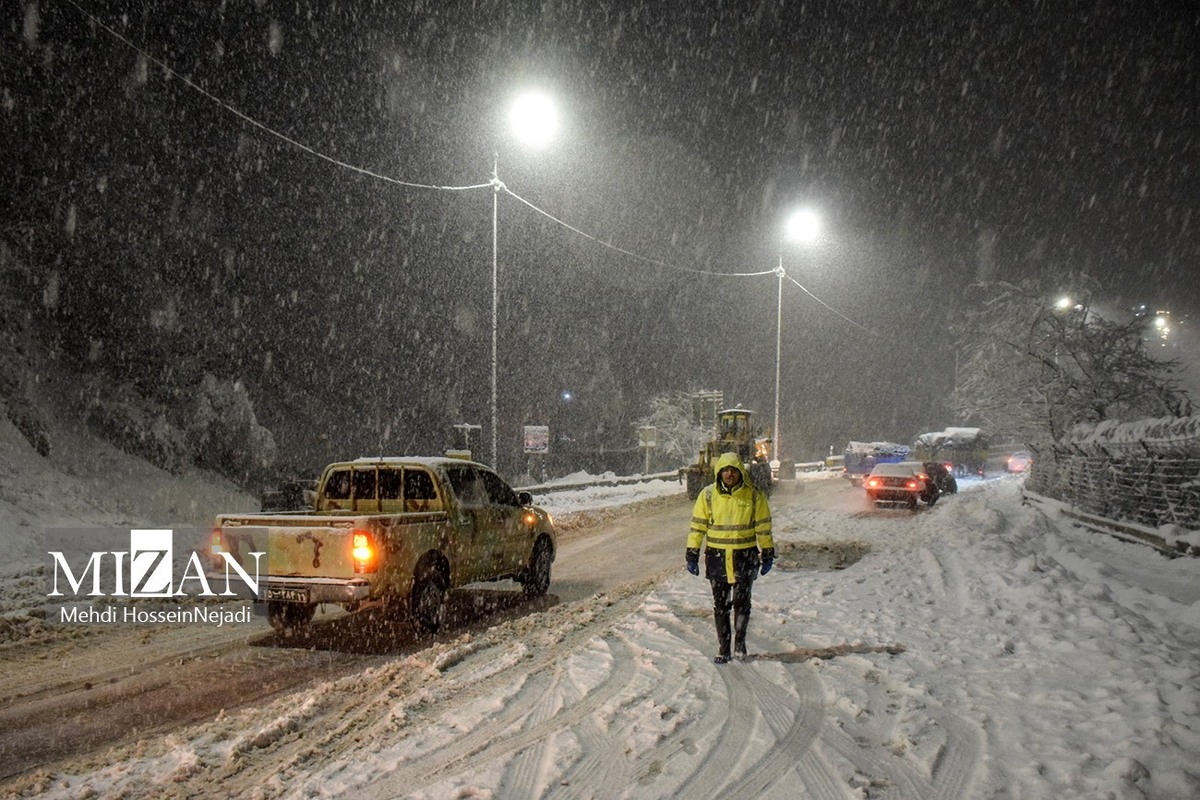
<point>598,480</point>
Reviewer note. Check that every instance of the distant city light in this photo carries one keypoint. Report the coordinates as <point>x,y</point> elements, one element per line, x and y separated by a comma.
<point>1162,323</point>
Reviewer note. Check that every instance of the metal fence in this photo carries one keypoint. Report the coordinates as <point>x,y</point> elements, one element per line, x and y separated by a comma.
<point>1142,473</point>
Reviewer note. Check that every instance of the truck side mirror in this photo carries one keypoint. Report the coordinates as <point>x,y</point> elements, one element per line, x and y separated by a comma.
<point>524,498</point>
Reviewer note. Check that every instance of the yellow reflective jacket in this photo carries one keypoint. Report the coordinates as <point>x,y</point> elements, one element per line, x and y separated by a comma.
<point>731,523</point>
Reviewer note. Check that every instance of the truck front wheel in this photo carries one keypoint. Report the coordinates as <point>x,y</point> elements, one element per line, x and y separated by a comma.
<point>285,617</point>
<point>537,580</point>
<point>427,603</point>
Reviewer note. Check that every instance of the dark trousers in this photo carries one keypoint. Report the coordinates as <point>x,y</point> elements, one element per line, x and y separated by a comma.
<point>735,597</point>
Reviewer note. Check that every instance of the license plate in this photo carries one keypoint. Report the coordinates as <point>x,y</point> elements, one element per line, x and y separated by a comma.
<point>287,595</point>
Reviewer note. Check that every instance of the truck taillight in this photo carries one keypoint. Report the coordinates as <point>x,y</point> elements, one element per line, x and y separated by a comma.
<point>363,552</point>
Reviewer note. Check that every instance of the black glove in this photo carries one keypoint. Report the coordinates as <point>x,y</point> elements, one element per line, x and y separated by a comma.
<point>768,559</point>
<point>693,560</point>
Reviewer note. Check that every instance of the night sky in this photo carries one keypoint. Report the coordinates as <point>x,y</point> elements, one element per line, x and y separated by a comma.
<point>943,143</point>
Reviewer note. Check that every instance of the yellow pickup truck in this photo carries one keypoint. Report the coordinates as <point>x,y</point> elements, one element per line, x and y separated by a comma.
<point>390,529</point>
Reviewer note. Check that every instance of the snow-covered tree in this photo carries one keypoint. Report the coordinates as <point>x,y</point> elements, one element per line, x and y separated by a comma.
<point>1030,368</point>
<point>679,434</point>
<point>223,431</point>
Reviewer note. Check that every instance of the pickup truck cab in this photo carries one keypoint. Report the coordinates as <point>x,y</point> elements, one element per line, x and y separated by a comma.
<point>400,530</point>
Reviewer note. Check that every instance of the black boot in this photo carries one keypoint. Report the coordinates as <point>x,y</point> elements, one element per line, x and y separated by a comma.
<point>741,617</point>
<point>723,634</point>
<point>740,623</point>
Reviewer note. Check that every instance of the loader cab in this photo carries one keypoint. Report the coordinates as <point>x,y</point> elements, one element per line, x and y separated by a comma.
<point>734,426</point>
<point>735,434</point>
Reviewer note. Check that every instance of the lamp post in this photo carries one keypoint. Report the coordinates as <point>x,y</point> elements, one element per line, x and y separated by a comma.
<point>532,120</point>
<point>803,226</point>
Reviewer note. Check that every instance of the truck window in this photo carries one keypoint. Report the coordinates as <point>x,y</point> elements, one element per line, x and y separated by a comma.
<point>420,493</point>
<point>364,489</point>
<point>390,481</point>
<point>418,485</point>
<point>364,483</point>
<point>499,492</point>
<point>464,482</point>
<point>335,494</point>
<point>337,486</point>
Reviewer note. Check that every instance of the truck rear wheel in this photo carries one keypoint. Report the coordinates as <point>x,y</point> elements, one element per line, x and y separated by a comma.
<point>427,604</point>
<point>285,617</point>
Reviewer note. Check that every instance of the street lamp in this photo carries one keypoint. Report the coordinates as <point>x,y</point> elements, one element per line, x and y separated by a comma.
<point>802,226</point>
<point>533,121</point>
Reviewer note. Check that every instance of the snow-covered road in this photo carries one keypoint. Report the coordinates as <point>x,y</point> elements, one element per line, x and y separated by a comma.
<point>977,649</point>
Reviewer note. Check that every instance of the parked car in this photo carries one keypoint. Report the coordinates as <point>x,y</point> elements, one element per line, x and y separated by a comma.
<point>942,475</point>
<point>904,483</point>
<point>1019,461</point>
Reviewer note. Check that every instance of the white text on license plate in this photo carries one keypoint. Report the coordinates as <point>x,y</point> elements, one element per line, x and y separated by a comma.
<point>287,595</point>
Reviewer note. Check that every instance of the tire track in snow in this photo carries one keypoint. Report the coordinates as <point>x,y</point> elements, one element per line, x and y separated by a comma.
<point>667,705</point>
<point>526,774</point>
<point>734,738</point>
<point>961,757</point>
<point>495,738</point>
<point>606,762</point>
<point>797,723</point>
<point>871,747</point>
<point>584,778</point>
<point>876,762</point>
<point>934,575</point>
<point>794,722</point>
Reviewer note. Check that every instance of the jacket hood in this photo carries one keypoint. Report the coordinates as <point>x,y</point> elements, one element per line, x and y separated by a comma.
<point>730,460</point>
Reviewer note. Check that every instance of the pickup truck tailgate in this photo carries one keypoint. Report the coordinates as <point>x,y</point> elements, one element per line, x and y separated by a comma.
<point>298,548</point>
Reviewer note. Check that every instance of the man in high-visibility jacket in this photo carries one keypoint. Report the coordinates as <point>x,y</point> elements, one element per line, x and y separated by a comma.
<point>733,522</point>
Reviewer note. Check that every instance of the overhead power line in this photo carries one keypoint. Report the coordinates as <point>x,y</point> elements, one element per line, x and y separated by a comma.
<point>494,184</point>
<point>831,308</point>
<point>262,126</point>
<point>622,250</point>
